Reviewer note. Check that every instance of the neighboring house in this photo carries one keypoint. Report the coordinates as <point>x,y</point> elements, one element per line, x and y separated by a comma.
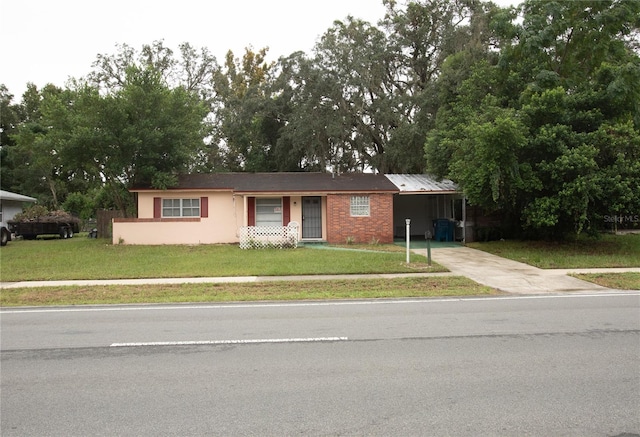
<point>10,205</point>
<point>213,208</point>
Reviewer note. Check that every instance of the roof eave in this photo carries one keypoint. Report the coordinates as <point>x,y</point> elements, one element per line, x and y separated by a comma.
<point>176,190</point>
<point>430,192</point>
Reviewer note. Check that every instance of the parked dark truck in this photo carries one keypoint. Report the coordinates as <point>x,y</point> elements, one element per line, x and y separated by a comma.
<point>34,222</point>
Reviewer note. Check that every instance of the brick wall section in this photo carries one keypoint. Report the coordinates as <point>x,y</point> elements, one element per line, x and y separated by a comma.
<point>341,226</point>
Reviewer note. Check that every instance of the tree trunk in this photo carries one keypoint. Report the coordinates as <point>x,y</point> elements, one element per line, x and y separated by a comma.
<point>54,193</point>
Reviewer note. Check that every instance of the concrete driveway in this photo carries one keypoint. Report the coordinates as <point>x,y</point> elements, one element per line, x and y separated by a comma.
<point>512,276</point>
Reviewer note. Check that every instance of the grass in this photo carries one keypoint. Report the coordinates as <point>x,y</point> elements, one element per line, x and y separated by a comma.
<point>84,258</point>
<point>243,292</point>
<point>619,281</point>
<point>607,251</point>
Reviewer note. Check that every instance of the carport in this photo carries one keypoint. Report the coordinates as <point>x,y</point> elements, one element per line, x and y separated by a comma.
<point>426,200</point>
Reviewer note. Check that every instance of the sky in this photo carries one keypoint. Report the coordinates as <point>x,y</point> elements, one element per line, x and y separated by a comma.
<point>49,41</point>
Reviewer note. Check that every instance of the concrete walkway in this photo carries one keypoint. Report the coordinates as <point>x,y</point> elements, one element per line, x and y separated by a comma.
<point>212,280</point>
<point>484,268</point>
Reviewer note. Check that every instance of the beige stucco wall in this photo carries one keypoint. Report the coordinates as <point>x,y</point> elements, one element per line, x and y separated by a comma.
<point>226,216</point>
<point>221,226</point>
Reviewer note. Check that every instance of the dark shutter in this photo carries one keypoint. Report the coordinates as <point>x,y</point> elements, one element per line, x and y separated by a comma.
<point>286,210</point>
<point>157,207</point>
<point>251,213</point>
<point>204,207</point>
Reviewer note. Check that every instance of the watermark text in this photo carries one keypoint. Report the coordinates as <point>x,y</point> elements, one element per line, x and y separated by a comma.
<point>622,218</point>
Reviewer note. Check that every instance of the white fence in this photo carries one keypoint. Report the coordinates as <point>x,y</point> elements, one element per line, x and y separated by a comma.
<point>260,237</point>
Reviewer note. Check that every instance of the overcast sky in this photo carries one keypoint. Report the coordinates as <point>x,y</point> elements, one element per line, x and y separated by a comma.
<point>48,41</point>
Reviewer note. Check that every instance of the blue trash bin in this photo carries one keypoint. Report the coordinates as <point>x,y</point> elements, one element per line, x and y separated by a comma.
<point>443,230</point>
<point>451,231</point>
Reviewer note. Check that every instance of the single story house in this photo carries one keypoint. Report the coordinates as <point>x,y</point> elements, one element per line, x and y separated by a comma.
<point>336,208</point>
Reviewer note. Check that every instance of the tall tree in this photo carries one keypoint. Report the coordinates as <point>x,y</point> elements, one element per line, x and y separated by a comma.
<point>9,120</point>
<point>299,145</point>
<point>567,79</point>
<point>37,156</point>
<point>141,134</point>
<point>422,35</point>
<point>194,69</point>
<point>246,131</point>
<point>366,99</point>
<point>337,99</point>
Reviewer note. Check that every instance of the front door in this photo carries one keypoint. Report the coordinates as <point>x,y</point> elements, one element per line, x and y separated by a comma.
<point>312,217</point>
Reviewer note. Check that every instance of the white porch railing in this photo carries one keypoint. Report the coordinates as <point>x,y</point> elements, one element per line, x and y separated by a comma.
<point>260,237</point>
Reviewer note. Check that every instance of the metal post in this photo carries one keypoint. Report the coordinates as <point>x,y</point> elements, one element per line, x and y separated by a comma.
<point>464,220</point>
<point>428,238</point>
<point>408,232</point>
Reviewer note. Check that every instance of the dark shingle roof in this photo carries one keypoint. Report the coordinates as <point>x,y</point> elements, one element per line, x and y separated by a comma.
<point>287,182</point>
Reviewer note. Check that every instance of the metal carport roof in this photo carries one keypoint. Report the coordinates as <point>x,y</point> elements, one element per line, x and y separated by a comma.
<point>422,184</point>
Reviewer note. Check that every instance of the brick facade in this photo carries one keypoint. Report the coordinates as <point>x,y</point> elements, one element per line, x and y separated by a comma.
<point>378,226</point>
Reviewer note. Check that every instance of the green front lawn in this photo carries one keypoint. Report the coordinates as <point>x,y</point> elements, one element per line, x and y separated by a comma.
<point>619,281</point>
<point>607,251</point>
<point>84,258</point>
<point>243,292</point>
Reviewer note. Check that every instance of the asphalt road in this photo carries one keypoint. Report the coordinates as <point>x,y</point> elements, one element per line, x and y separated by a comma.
<point>541,366</point>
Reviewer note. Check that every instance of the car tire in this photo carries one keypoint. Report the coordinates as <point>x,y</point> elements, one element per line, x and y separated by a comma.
<point>4,237</point>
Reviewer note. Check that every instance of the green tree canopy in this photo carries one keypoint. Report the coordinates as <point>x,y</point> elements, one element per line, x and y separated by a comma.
<point>547,132</point>
<point>141,135</point>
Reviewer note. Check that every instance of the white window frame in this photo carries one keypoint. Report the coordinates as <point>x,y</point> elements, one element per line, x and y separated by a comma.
<point>360,206</point>
<point>183,207</point>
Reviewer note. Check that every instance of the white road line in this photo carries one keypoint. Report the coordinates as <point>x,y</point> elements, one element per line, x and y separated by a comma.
<point>225,342</point>
<point>240,305</point>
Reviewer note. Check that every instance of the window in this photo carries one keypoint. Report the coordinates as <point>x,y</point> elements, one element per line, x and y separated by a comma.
<point>360,206</point>
<point>268,211</point>
<point>180,207</point>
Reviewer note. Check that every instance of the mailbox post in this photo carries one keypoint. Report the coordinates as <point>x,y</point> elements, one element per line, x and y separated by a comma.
<point>408,232</point>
